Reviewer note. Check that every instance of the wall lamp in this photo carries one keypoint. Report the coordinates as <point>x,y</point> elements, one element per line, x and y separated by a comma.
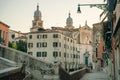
<point>100,6</point>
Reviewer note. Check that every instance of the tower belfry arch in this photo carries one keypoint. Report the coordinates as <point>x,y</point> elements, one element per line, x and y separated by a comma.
<point>69,22</point>
<point>37,23</point>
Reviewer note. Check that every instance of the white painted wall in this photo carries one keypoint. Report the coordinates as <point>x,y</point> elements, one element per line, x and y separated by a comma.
<point>49,49</point>
<point>83,48</point>
<point>17,34</point>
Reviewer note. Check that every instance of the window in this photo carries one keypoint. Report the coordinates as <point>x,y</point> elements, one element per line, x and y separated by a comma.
<point>38,36</point>
<point>3,34</point>
<point>55,44</point>
<point>44,54</point>
<point>98,37</point>
<point>55,54</point>
<point>13,36</point>
<point>30,53</point>
<point>64,54</point>
<point>73,55</point>
<point>68,39</point>
<point>44,36</point>
<point>41,36</point>
<point>30,45</point>
<point>44,44</point>
<point>30,36</point>
<point>59,44</point>
<point>59,54</point>
<point>38,44</point>
<point>38,54</point>
<point>55,35</point>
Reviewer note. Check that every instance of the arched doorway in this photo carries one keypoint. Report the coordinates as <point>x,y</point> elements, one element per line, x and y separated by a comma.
<point>86,61</point>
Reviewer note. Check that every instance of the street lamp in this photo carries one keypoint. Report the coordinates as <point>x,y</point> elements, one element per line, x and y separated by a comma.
<point>100,6</point>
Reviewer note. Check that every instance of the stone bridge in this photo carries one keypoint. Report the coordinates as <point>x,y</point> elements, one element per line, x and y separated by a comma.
<point>38,69</point>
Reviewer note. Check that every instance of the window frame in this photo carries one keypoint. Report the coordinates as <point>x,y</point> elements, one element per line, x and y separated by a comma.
<point>30,36</point>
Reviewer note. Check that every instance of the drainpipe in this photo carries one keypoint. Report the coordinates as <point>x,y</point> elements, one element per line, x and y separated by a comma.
<point>113,55</point>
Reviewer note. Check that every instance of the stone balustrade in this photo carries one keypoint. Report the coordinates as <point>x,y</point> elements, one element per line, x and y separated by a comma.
<point>39,69</point>
<point>75,75</point>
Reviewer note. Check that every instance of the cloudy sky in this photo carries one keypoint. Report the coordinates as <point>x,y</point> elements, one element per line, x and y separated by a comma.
<point>18,14</point>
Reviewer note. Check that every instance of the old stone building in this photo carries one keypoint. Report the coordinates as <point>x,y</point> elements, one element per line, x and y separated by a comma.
<point>4,32</point>
<point>16,36</point>
<point>116,41</point>
<point>85,34</point>
<point>37,22</point>
<point>69,46</point>
<point>98,45</point>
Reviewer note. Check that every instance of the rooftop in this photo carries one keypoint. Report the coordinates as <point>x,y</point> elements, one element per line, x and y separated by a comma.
<point>4,24</point>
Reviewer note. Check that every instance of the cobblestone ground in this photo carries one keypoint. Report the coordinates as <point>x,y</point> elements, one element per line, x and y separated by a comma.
<point>95,76</point>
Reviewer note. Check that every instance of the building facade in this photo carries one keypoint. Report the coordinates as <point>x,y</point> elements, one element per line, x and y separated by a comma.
<point>60,45</point>
<point>4,31</point>
<point>53,46</point>
<point>85,39</point>
<point>16,36</point>
<point>98,45</point>
<point>37,22</point>
<point>116,41</point>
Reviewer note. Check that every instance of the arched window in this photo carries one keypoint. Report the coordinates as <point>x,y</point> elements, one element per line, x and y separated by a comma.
<point>98,37</point>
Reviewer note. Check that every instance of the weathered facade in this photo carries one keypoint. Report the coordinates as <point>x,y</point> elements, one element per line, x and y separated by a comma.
<point>53,46</point>
<point>4,32</point>
<point>69,46</point>
<point>86,49</point>
<point>98,45</point>
<point>16,36</point>
<point>116,41</point>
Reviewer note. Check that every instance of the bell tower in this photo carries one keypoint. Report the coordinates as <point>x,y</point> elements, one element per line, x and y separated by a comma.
<point>37,22</point>
<point>69,22</point>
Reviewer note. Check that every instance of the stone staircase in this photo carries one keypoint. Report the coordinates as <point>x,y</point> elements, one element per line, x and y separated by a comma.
<point>39,70</point>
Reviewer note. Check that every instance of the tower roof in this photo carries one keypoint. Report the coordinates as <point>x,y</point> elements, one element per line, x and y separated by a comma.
<point>37,12</point>
<point>86,26</point>
<point>69,19</point>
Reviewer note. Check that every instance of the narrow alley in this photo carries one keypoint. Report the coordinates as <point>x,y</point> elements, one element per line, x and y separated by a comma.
<point>59,39</point>
<point>95,76</point>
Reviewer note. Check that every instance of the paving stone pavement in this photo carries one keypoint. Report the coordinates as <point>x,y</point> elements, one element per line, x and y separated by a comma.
<point>95,76</point>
